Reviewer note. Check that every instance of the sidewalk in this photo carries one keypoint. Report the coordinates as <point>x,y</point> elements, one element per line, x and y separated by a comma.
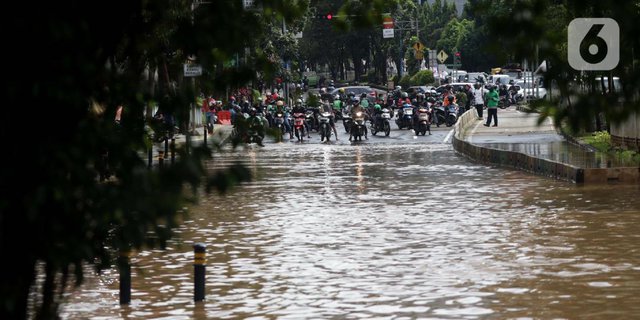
<point>518,142</point>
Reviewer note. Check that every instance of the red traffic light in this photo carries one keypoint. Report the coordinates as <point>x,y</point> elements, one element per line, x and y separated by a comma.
<point>457,54</point>
<point>329,16</point>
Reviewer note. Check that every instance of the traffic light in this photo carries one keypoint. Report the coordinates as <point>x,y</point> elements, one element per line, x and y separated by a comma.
<point>326,16</point>
<point>458,54</point>
<point>329,16</point>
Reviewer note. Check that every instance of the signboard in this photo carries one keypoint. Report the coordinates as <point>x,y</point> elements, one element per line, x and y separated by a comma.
<point>442,56</point>
<point>387,27</point>
<point>419,55</point>
<point>298,35</point>
<point>192,70</point>
<point>433,60</point>
<point>418,46</point>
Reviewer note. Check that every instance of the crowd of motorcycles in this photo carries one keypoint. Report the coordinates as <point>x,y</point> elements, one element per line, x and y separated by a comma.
<point>251,124</point>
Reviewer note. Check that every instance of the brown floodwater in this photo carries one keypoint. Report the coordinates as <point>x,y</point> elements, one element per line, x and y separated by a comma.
<point>388,231</point>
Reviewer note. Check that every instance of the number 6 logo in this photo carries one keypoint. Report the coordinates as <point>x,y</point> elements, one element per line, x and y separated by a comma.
<point>593,44</point>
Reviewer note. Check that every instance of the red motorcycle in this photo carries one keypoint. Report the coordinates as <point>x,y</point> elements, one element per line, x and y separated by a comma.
<point>298,125</point>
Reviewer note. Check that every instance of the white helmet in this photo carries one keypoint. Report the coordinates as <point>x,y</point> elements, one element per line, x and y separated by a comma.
<point>337,97</point>
<point>299,101</point>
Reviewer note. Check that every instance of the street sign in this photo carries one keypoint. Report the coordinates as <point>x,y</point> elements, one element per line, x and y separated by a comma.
<point>442,56</point>
<point>298,35</point>
<point>433,60</point>
<point>418,46</point>
<point>192,70</point>
<point>387,23</point>
<point>387,27</point>
<point>419,55</point>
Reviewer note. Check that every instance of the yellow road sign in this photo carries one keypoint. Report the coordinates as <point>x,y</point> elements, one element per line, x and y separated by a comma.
<point>419,55</point>
<point>418,46</point>
<point>442,56</point>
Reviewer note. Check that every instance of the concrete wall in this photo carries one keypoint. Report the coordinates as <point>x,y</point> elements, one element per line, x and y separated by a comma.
<point>537,166</point>
<point>627,134</point>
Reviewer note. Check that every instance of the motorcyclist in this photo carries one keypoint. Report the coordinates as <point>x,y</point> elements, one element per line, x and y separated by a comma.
<point>280,108</point>
<point>355,108</point>
<point>337,105</point>
<point>255,123</point>
<point>300,108</point>
<point>449,96</point>
<point>377,112</point>
<point>326,107</point>
<point>504,93</point>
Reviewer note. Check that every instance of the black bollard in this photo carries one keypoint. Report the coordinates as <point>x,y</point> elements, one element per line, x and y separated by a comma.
<point>206,129</point>
<point>124,265</point>
<point>150,156</point>
<point>160,158</point>
<point>198,271</point>
<point>173,150</point>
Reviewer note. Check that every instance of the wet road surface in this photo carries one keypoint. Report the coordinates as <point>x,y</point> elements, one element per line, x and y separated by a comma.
<point>390,228</point>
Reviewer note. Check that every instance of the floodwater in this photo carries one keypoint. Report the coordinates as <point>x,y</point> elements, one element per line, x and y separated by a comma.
<point>400,230</point>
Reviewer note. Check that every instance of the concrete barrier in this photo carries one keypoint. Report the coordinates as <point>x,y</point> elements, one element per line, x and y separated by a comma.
<point>534,165</point>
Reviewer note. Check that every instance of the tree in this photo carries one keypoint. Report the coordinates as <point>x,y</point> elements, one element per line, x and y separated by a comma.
<point>537,30</point>
<point>88,59</point>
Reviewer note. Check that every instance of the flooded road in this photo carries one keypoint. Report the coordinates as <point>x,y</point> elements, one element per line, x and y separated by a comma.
<point>389,229</point>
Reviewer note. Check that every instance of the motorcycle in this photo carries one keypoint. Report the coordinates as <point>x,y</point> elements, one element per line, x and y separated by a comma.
<point>278,122</point>
<point>347,121</point>
<point>503,103</point>
<point>381,123</point>
<point>404,119</point>
<point>451,116</point>
<point>440,114</point>
<point>310,120</point>
<point>325,125</point>
<point>422,124</point>
<point>298,125</point>
<point>358,127</point>
<point>256,130</point>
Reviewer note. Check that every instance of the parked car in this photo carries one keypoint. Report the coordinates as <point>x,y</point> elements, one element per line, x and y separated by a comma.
<point>358,90</point>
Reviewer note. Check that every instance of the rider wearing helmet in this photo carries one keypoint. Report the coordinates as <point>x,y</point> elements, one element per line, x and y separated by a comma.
<point>364,102</point>
<point>326,107</point>
<point>355,108</point>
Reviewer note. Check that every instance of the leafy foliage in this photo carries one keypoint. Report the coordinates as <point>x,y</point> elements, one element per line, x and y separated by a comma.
<point>89,59</point>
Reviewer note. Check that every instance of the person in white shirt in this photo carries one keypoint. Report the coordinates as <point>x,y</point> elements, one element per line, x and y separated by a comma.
<point>478,98</point>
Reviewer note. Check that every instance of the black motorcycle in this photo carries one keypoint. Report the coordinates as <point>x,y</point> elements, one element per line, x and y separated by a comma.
<point>381,123</point>
<point>405,117</point>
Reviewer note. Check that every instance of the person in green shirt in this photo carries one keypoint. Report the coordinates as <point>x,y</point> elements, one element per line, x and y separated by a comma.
<point>492,106</point>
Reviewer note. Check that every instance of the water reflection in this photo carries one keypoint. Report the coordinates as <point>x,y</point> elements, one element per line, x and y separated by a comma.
<point>408,231</point>
<point>565,152</point>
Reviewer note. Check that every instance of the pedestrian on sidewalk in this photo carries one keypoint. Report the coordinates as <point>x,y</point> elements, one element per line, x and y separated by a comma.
<point>478,98</point>
<point>492,106</point>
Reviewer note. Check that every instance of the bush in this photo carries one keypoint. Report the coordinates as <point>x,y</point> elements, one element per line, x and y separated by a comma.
<point>600,140</point>
<point>423,78</point>
<point>405,82</point>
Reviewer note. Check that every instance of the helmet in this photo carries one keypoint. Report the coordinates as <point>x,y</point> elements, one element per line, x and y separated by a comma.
<point>341,90</point>
<point>363,95</point>
<point>377,106</point>
<point>420,95</point>
<point>351,94</point>
<point>434,92</point>
<point>337,97</point>
<point>398,88</point>
<point>299,101</point>
<point>414,101</point>
<point>431,100</point>
<point>280,103</point>
<point>404,95</point>
<point>232,98</point>
<point>252,111</point>
<point>451,98</point>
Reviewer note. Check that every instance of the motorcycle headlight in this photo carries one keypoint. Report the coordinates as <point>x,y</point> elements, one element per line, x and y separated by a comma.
<point>358,114</point>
